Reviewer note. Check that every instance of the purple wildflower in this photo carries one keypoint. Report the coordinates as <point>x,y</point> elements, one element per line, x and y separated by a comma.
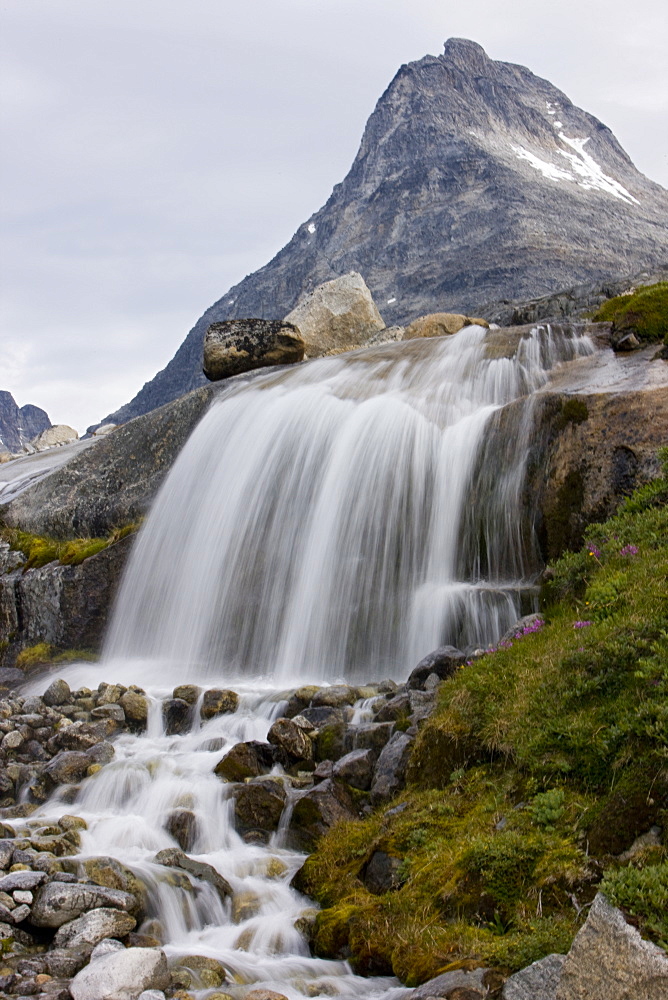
<point>593,551</point>
<point>581,624</point>
<point>629,550</point>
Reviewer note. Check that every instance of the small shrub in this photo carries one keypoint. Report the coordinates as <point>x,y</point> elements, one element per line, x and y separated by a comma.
<point>547,808</point>
<point>33,656</point>
<point>644,894</point>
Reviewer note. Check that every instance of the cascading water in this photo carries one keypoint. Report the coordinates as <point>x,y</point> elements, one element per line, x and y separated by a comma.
<point>318,525</point>
<point>313,527</point>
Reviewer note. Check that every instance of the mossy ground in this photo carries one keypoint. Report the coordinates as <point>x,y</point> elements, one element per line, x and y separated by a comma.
<point>40,550</point>
<point>543,762</point>
<point>644,311</point>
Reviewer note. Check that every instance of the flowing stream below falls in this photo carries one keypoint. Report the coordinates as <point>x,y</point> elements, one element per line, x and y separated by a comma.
<point>316,528</point>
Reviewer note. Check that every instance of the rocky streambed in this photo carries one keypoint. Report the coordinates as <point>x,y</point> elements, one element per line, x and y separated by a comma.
<point>150,840</point>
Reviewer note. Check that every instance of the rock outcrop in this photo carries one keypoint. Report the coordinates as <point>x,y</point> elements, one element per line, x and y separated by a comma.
<point>19,425</point>
<point>443,208</point>
<point>54,436</point>
<point>241,345</point>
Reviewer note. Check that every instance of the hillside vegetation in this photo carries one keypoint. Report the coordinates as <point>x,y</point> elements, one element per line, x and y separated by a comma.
<point>529,786</point>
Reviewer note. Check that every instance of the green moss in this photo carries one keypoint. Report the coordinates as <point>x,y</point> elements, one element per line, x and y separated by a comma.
<point>40,550</point>
<point>574,411</point>
<point>644,312</point>
<point>542,762</point>
<point>33,656</point>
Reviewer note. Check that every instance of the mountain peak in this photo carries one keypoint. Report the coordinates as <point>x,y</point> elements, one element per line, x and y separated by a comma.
<point>465,54</point>
<point>476,181</point>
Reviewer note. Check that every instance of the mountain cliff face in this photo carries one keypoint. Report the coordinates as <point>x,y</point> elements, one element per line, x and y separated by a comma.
<point>18,425</point>
<point>475,182</point>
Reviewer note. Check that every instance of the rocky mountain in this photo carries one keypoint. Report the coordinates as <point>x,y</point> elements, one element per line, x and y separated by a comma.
<point>476,181</point>
<point>18,425</point>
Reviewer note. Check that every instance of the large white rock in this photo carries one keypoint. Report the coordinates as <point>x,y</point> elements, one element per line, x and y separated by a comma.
<point>94,926</point>
<point>337,316</point>
<point>53,436</point>
<point>538,981</point>
<point>59,902</point>
<point>122,975</point>
<point>609,960</point>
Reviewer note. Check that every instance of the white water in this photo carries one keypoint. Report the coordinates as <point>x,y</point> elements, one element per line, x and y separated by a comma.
<point>317,525</point>
<point>313,527</point>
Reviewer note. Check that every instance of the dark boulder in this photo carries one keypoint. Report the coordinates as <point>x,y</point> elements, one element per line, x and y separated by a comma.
<point>390,774</point>
<point>218,702</point>
<point>246,760</point>
<point>240,345</point>
<point>356,769</point>
<point>177,716</point>
<point>443,662</point>
<point>381,873</point>
<point>174,858</point>
<point>291,740</point>
<point>182,825</point>
<point>318,810</point>
<point>258,805</point>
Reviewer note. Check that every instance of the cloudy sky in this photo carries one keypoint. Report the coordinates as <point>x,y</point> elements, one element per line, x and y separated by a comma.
<point>156,151</point>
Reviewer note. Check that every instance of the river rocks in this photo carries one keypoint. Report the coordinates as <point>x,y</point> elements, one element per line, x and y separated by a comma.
<point>57,902</point>
<point>246,760</point>
<point>135,707</point>
<point>67,766</point>
<point>292,740</point>
<point>122,975</point>
<point>609,960</point>
<point>318,810</point>
<point>338,315</point>
<point>259,804</point>
<point>355,769</point>
<point>240,345</point>
<point>92,927</point>
<point>173,858</point>
<point>443,662</point>
<point>218,702</point>
<point>457,985</point>
<point>22,880</point>
<point>177,716</point>
<point>390,774</point>
<point>183,827</point>
<point>336,696</point>
<point>57,693</point>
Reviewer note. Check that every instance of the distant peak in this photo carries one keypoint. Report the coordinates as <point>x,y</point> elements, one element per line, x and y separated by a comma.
<point>465,54</point>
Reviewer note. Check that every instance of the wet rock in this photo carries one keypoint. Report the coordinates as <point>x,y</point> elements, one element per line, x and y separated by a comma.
<point>325,769</point>
<point>246,760</point>
<point>318,810</point>
<point>291,739</point>
<point>609,960</point>
<point>59,902</point>
<point>183,827</point>
<point>83,735</point>
<point>68,766</point>
<point>397,707</point>
<point>356,769</point>
<point>187,692</point>
<point>110,694</point>
<point>173,858</point>
<point>264,995</point>
<point>92,927</point>
<point>57,693</point>
<point>177,716</point>
<point>135,707</point>
<point>6,851</point>
<point>123,974</point>
<point>11,741</point>
<point>20,913</point>
<point>322,715</point>
<point>240,345</point>
<point>300,699</point>
<point>258,805</point>
<point>151,995</point>
<point>390,774</point>
<point>218,702</point>
<point>102,752</point>
<point>538,981</point>
<point>437,325</point>
<point>381,873</point>
<point>209,971</point>
<point>111,874</point>
<point>443,662</point>
<point>336,696</point>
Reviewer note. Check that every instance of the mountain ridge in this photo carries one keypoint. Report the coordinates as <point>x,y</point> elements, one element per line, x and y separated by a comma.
<point>475,181</point>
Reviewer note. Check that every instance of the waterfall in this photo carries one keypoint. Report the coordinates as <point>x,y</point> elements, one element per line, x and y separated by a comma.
<point>318,523</point>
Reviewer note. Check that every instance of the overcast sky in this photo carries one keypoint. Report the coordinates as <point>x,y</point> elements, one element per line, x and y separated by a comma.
<point>156,151</point>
